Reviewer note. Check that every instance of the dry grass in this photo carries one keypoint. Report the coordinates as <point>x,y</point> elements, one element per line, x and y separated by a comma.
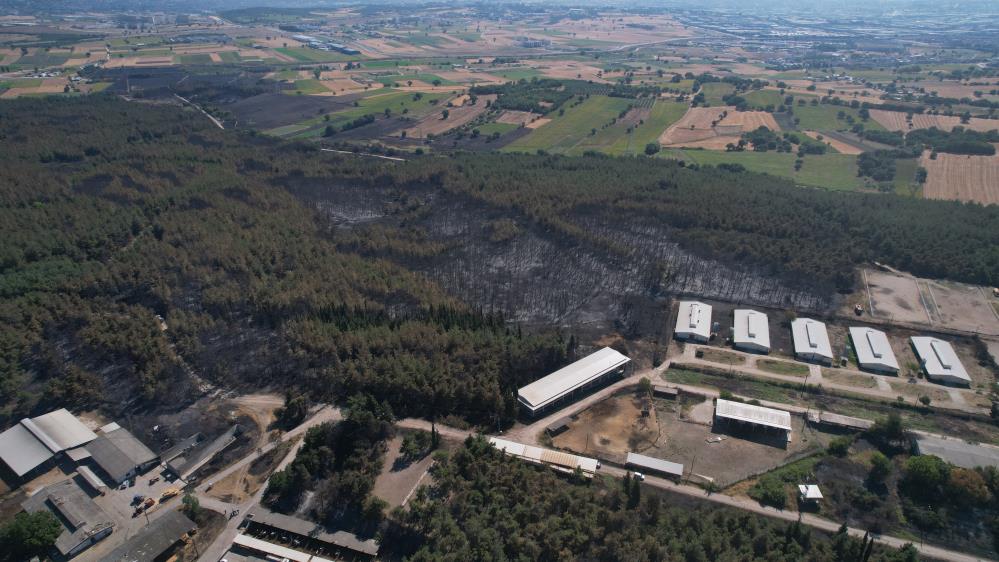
<point>896,121</point>
<point>457,116</point>
<point>837,145</point>
<point>962,178</point>
<point>715,127</point>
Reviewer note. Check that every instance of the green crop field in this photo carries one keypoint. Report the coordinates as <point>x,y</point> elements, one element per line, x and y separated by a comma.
<point>905,177</point>
<point>308,87</point>
<point>564,133</point>
<point>469,36</point>
<point>42,59</point>
<point>832,171</point>
<point>230,56</point>
<point>715,91</point>
<point>199,58</point>
<point>23,83</point>
<point>501,128</point>
<point>423,40</point>
<point>616,139</point>
<point>825,117</point>
<point>516,73</point>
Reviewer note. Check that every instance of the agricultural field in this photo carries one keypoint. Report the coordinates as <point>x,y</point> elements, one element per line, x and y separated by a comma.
<point>580,122</point>
<point>714,127</point>
<point>962,177</point>
<point>832,171</point>
<point>827,117</point>
<point>400,103</point>
<point>897,121</point>
<point>639,127</point>
<point>715,91</point>
<point>435,123</point>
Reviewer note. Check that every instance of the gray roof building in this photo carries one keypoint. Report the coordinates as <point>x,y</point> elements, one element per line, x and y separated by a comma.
<point>120,454</point>
<point>154,539</point>
<point>33,441</point>
<point>21,451</point>
<point>84,522</point>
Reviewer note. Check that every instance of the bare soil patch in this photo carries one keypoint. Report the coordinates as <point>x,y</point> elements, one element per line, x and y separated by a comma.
<point>538,122</point>
<point>457,116</point>
<point>715,127</point>
<point>896,121</point>
<point>840,377</point>
<point>398,479</point>
<point>837,145</point>
<point>514,117</point>
<point>962,178</point>
<point>611,428</point>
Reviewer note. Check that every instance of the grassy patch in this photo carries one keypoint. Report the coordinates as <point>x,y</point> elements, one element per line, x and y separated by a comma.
<point>25,83</point>
<point>617,140</point>
<point>572,129</point>
<point>424,40</point>
<point>826,117</point>
<point>905,177</point>
<point>469,36</point>
<point>760,99</point>
<point>720,356</point>
<point>198,58</point>
<point>838,377</point>
<point>308,87</point>
<point>396,101</point>
<point>230,56</point>
<point>715,91</point>
<point>832,171</point>
<point>516,73</point>
<point>402,79</point>
<point>782,367</point>
<point>501,128</point>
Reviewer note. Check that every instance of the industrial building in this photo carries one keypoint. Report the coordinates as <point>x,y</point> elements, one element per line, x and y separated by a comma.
<point>811,341</point>
<point>84,522</point>
<point>311,535</point>
<point>155,539</point>
<point>874,353</point>
<point>563,462</point>
<point>751,331</point>
<point>31,443</point>
<point>119,454</point>
<point>727,411</point>
<point>570,380</point>
<point>939,361</point>
<point>693,322</point>
<point>653,465</point>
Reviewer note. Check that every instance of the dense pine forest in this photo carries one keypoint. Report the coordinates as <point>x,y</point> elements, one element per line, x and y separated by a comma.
<point>145,252</point>
<point>484,506</point>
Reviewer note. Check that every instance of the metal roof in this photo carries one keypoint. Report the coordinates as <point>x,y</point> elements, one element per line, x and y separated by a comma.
<point>91,478</point>
<point>811,338</point>
<point>810,491</point>
<point>310,529</point>
<point>277,550</point>
<point>939,360</point>
<point>753,414</point>
<point>658,465</point>
<point>693,318</point>
<point>61,428</point>
<point>75,508</point>
<point>873,349</point>
<point>751,328</point>
<point>153,539</point>
<point>556,459</point>
<point>119,452</point>
<point>21,450</point>
<point>568,378</point>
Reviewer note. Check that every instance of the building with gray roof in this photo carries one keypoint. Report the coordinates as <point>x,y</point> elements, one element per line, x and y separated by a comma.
<point>154,539</point>
<point>33,441</point>
<point>84,522</point>
<point>958,451</point>
<point>120,455</point>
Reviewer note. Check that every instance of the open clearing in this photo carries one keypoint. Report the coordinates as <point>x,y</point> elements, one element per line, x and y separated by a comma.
<point>895,121</point>
<point>398,477</point>
<point>563,133</point>
<point>836,144</point>
<point>514,117</point>
<point>611,428</point>
<point>962,178</point>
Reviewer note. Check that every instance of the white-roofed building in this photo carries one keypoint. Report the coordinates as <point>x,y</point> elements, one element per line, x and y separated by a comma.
<point>558,460</point>
<point>728,411</point>
<point>33,441</point>
<point>693,322</point>
<point>571,379</point>
<point>939,361</point>
<point>654,465</point>
<point>751,331</point>
<point>809,493</point>
<point>873,350</point>
<point>811,341</point>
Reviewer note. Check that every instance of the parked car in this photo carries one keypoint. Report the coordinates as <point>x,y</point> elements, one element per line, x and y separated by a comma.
<point>638,476</point>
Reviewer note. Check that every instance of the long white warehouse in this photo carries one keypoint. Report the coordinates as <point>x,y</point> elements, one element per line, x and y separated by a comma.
<point>751,331</point>
<point>811,341</point>
<point>939,361</point>
<point>693,322</point>
<point>557,460</point>
<point>571,379</point>
<point>873,350</point>
<point>741,413</point>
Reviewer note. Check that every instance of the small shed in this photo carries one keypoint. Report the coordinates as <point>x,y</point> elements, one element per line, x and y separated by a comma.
<point>809,493</point>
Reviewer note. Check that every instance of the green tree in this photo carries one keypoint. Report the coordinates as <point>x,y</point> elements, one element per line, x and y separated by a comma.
<point>651,148</point>
<point>925,475</point>
<point>192,507</point>
<point>880,467</point>
<point>29,535</point>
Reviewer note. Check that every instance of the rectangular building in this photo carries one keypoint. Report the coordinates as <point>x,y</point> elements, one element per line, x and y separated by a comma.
<point>874,353</point>
<point>939,361</point>
<point>654,465</point>
<point>154,540</point>
<point>570,380</point>
<point>84,522</point>
<point>741,413</point>
<point>558,460</point>
<point>120,455</point>
<point>751,331</point>
<point>811,341</point>
<point>33,441</point>
<point>693,322</point>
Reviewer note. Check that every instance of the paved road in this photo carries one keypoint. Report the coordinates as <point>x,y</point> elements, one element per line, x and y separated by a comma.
<point>222,542</point>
